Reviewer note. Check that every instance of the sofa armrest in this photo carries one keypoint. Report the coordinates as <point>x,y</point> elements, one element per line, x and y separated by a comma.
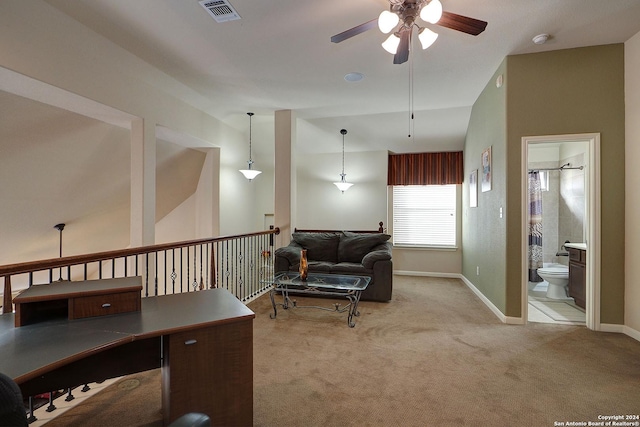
<point>286,256</point>
<point>382,252</point>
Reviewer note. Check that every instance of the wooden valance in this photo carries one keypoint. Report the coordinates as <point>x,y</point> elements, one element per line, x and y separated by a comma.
<point>425,168</point>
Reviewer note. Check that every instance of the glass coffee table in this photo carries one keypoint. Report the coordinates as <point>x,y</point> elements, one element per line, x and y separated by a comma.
<point>319,284</point>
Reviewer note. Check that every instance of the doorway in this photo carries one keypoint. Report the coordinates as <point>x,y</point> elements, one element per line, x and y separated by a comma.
<point>531,146</point>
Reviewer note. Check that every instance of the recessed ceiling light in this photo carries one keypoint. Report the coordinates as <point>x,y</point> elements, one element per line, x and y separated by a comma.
<point>354,77</point>
<point>541,38</point>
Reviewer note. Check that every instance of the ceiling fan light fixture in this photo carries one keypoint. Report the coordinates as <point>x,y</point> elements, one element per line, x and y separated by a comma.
<point>426,37</point>
<point>432,12</point>
<point>387,21</point>
<point>391,43</point>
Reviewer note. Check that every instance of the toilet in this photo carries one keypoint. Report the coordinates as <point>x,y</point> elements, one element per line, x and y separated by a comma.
<point>557,275</point>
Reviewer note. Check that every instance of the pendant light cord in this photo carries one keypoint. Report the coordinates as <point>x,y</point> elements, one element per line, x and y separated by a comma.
<point>250,161</point>
<point>343,132</point>
<point>411,123</point>
<point>343,154</point>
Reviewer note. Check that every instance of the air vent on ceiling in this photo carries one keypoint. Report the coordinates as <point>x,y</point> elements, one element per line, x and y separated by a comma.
<point>220,10</point>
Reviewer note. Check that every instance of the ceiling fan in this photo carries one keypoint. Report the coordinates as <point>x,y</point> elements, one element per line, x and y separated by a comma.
<point>402,15</point>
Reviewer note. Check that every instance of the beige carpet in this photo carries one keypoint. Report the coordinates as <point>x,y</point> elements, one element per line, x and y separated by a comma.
<point>434,356</point>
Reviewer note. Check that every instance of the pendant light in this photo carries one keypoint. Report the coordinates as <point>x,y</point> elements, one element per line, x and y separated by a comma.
<point>343,185</point>
<point>250,173</point>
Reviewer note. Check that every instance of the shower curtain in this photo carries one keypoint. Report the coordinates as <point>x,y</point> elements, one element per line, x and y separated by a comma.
<point>535,226</point>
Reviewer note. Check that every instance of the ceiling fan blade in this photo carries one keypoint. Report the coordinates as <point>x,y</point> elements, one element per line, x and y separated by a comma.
<point>462,23</point>
<point>354,31</point>
<point>402,54</point>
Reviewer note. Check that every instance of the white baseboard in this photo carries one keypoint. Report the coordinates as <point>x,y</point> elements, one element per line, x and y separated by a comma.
<point>631,332</point>
<point>500,315</point>
<point>611,327</point>
<point>620,329</point>
<point>426,274</point>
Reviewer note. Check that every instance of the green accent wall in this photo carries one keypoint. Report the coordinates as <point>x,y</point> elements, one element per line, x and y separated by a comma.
<point>552,93</point>
<point>484,232</point>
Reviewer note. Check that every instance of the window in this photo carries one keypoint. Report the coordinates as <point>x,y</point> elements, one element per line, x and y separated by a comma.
<point>424,215</point>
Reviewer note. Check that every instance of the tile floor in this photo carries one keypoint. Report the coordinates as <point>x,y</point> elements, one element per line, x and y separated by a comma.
<point>546,310</point>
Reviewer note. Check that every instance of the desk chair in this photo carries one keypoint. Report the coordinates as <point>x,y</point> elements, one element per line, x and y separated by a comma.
<point>12,411</point>
<point>192,419</point>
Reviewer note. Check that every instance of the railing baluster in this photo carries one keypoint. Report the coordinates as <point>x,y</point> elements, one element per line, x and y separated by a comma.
<point>194,285</point>
<point>173,271</point>
<point>165,272</point>
<point>146,275</point>
<point>155,274</point>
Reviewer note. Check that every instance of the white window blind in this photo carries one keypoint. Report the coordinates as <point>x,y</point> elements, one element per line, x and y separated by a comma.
<point>424,215</point>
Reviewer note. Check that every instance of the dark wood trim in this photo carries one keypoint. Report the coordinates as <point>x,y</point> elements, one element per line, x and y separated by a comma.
<point>304,230</point>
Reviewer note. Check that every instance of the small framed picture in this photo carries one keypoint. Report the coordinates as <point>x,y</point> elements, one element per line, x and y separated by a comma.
<point>473,189</point>
<point>486,170</point>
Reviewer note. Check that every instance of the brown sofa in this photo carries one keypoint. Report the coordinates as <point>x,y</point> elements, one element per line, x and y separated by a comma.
<point>343,252</point>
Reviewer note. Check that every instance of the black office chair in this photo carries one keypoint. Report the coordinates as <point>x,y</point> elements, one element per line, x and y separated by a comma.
<point>192,419</point>
<point>12,411</point>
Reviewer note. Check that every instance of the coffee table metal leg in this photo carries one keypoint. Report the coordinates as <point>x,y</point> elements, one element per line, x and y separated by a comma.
<point>273,303</point>
<point>353,309</point>
<point>286,301</point>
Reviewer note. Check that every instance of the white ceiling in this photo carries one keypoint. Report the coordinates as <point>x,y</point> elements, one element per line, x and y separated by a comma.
<point>279,56</point>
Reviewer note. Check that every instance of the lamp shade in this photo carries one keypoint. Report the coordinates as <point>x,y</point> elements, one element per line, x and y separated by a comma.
<point>250,173</point>
<point>432,12</point>
<point>343,185</point>
<point>391,44</point>
<point>427,37</point>
<point>387,21</point>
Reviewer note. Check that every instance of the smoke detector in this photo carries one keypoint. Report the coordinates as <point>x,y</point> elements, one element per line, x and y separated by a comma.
<point>541,38</point>
<point>220,10</point>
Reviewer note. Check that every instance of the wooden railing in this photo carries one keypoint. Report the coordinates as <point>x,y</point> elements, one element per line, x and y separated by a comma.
<point>237,263</point>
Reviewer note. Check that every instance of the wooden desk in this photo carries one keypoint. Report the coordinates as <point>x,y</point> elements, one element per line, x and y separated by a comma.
<point>75,300</point>
<point>206,337</point>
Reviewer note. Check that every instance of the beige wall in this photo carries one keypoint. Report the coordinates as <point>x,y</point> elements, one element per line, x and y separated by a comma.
<point>632,181</point>
<point>41,43</point>
<point>320,205</point>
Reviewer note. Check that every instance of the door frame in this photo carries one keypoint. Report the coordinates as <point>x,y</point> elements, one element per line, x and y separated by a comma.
<point>592,232</point>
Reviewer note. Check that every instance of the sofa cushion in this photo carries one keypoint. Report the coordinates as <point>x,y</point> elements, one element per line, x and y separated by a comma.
<point>354,246</point>
<point>319,246</point>
<point>350,268</point>
<point>320,266</point>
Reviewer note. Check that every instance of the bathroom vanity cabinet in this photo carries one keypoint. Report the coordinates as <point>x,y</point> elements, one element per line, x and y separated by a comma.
<point>577,275</point>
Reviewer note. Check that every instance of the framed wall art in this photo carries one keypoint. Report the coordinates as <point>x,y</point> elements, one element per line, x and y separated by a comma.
<point>486,170</point>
